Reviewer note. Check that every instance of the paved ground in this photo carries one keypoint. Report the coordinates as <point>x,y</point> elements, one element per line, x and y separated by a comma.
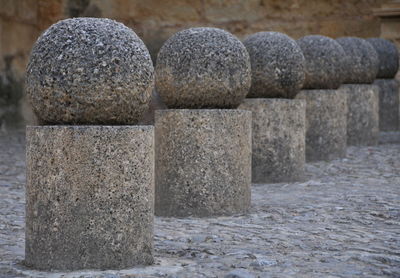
<point>344,221</point>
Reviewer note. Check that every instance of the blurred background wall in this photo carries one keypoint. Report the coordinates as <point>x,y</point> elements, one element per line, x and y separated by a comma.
<point>22,21</point>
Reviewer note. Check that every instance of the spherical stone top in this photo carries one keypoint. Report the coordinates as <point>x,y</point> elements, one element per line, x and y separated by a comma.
<point>277,65</point>
<point>325,60</point>
<point>361,60</point>
<point>203,68</point>
<point>388,55</point>
<point>89,71</point>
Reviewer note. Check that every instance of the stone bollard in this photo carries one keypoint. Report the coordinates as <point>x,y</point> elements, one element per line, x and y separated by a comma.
<point>362,97</point>
<point>326,106</point>
<point>326,124</point>
<point>389,88</point>
<point>203,156</point>
<point>277,65</point>
<point>89,197</point>
<point>90,187</point>
<point>278,130</point>
<point>363,114</point>
<point>203,162</point>
<point>389,104</point>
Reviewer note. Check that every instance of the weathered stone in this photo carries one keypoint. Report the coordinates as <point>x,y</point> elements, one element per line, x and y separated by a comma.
<point>389,104</point>
<point>325,123</point>
<point>89,71</point>
<point>361,60</point>
<point>278,146</point>
<point>203,68</point>
<point>277,65</point>
<point>363,114</point>
<point>203,162</point>
<point>325,62</point>
<point>89,197</point>
<point>388,57</point>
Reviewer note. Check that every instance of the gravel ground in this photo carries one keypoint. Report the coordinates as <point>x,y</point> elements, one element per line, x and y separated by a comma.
<point>344,221</point>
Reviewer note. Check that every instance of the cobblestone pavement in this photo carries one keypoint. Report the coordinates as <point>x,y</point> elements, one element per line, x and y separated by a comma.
<point>344,221</point>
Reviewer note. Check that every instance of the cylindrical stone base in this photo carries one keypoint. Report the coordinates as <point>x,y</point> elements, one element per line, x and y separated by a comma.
<point>203,162</point>
<point>325,124</point>
<point>90,197</point>
<point>389,104</point>
<point>279,129</point>
<point>363,114</point>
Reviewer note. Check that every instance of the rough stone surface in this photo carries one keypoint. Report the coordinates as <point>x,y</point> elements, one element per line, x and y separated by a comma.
<point>362,61</point>
<point>325,62</point>
<point>389,104</point>
<point>278,146</point>
<point>203,68</point>
<point>89,196</point>
<point>325,124</point>
<point>89,71</point>
<point>277,65</point>
<point>388,57</point>
<point>203,162</point>
<point>344,220</point>
<point>363,114</point>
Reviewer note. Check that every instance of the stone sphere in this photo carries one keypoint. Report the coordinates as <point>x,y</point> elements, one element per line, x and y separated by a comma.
<point>361,60</point>
<point>89,71</point>
<point>277,65</point>
<point>203,68</point>
<point>325,61</point>
<point>388,55</point>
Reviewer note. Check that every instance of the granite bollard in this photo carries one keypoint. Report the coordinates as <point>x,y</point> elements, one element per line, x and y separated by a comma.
<point>278,140</point>
<point>279,127</point>
<point>326,124</point>
<point>363,114</point>
<point>90,186</point>
<point>203,156</point>
<point>362,65</point>
<point>326,105</point>
<point>203,162</point>
<point>389,104</point>
<point>89,195</point>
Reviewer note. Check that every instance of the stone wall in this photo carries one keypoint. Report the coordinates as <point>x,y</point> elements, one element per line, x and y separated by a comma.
<point>22,21</point>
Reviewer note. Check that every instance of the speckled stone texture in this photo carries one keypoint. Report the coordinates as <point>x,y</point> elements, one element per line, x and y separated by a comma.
<point>325,124</point>
<point>89,197</point>
<point>325,62</point>
<point>278,146</point>
<point>277,65</point>
<point>388,57</point>
<point>363,114</point>
<point>361,60</point>
<point>389,104</point>
<point>203,162</point>
<point>89,71</point>
<point>203,68</point>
